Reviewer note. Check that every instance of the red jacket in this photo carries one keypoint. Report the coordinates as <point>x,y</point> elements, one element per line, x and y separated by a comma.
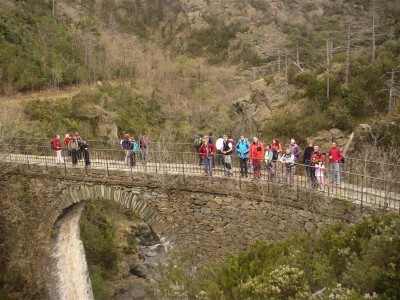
<point>256,151</point>
<point>336,155</point>
<point>57,144</point>
<point>66,141</point>
<point>206,151</point>
<point>278,148</point>
<point>316,157</point>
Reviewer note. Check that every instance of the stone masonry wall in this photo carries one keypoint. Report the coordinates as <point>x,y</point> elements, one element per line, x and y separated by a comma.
<point>214,216</point>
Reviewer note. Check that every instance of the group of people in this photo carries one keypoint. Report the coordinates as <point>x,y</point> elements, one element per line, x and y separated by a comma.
<point>77,148</point>
<point>253,154</point>
<point>132,148</point>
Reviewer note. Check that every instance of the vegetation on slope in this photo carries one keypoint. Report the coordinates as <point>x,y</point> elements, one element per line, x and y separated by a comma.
<point>349,261</point>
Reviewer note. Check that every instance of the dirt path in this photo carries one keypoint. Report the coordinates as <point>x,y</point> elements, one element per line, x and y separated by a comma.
<point>45,94</point>
<point>72,273</point>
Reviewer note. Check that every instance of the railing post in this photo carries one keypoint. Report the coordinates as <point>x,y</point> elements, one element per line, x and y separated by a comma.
<point>45,160</point>
<point>27,160</point>
<point>65,162</point>
<point>108,172</point>
<point>362,192</point>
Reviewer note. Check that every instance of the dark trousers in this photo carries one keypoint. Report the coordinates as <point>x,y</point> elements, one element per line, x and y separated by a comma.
<point>313,178</point>
<point>243,165</point>
<point>308,168</point>
<point>86,156</point>
<point>133,159</point>
<point>74,156</point>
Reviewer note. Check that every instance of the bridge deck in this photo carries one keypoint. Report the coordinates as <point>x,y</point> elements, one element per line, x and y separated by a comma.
<point>357,188</point>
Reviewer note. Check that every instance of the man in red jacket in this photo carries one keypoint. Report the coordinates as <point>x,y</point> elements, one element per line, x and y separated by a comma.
<point>206,152</point>
<point>335,157</point>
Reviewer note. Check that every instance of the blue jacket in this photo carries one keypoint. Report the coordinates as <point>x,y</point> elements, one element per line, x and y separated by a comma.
<point>243,148</point>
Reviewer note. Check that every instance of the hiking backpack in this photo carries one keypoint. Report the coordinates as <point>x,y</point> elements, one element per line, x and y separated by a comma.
<point>274,155</point>
<point>135,147</point>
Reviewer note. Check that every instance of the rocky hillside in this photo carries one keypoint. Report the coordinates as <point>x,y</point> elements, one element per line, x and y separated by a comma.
<point>266,67</point>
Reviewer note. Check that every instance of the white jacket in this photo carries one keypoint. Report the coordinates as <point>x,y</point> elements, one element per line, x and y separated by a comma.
<point>219,144</point>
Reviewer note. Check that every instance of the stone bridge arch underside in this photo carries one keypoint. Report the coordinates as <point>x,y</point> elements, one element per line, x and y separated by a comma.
<point>215,217</point>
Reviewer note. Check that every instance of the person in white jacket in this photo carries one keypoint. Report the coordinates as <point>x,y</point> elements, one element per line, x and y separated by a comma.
<point>219,144</point>
<point>289,166</point>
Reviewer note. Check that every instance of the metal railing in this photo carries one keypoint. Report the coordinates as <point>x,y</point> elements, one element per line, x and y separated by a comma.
<point>382,191</point>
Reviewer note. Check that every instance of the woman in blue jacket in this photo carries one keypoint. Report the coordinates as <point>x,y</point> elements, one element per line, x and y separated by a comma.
<point>242,149</point>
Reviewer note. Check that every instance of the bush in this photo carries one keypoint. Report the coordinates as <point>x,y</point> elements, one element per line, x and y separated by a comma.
<point>349,260</point>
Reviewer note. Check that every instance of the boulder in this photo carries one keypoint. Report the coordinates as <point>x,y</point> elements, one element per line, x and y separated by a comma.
<point>324,138</point>
<point>261,113</point>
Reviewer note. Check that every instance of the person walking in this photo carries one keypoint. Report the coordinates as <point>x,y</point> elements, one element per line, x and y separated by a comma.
<point>256,155</point>
<point>144,146</point>
<point>289,162</point>
<point>227,150</point>
<point>135,150</point>
<point>126,145</point>
<point>243,149</point>
<point>306,158</point>
<point>295,150</point>
<point>74,148</point>
<point>56,143</point>
<point>335,158</point>
<point>219,145</point>
<point>206,151</point>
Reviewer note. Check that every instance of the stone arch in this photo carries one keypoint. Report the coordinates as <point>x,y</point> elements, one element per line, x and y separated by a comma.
<point>130,197</point>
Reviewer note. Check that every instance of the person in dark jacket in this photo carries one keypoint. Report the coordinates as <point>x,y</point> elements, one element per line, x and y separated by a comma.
<point>211,138</point>
<point>306,158</point>
<point>84,148</point>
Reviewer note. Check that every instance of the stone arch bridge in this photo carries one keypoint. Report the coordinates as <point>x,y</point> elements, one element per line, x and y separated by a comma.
<point>215,216</point>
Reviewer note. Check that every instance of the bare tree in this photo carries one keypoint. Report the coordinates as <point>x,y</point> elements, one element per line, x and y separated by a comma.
<point>286,77</point>
<point>279,64</point>
<point>346,82</point>
<point>373,29</point>
<point>393,91</point>
<point>328,56</point>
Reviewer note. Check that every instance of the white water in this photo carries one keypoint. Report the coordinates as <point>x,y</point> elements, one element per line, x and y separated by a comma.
<point>73,282</point>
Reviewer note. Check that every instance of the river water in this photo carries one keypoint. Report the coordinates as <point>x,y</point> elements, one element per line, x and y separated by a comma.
<point>72,276</point>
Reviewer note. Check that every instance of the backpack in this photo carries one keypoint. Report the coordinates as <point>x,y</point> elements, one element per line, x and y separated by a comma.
<point>79,140</point>
<point>135,147</point>
<point>198,142</point>
<point>52,144</point>
<point>126,145</point>
<point>73,145</point>
<point>274,155</point>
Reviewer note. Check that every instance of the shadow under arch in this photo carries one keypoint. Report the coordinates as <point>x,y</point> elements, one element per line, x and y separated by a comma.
<point>130,197</point>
